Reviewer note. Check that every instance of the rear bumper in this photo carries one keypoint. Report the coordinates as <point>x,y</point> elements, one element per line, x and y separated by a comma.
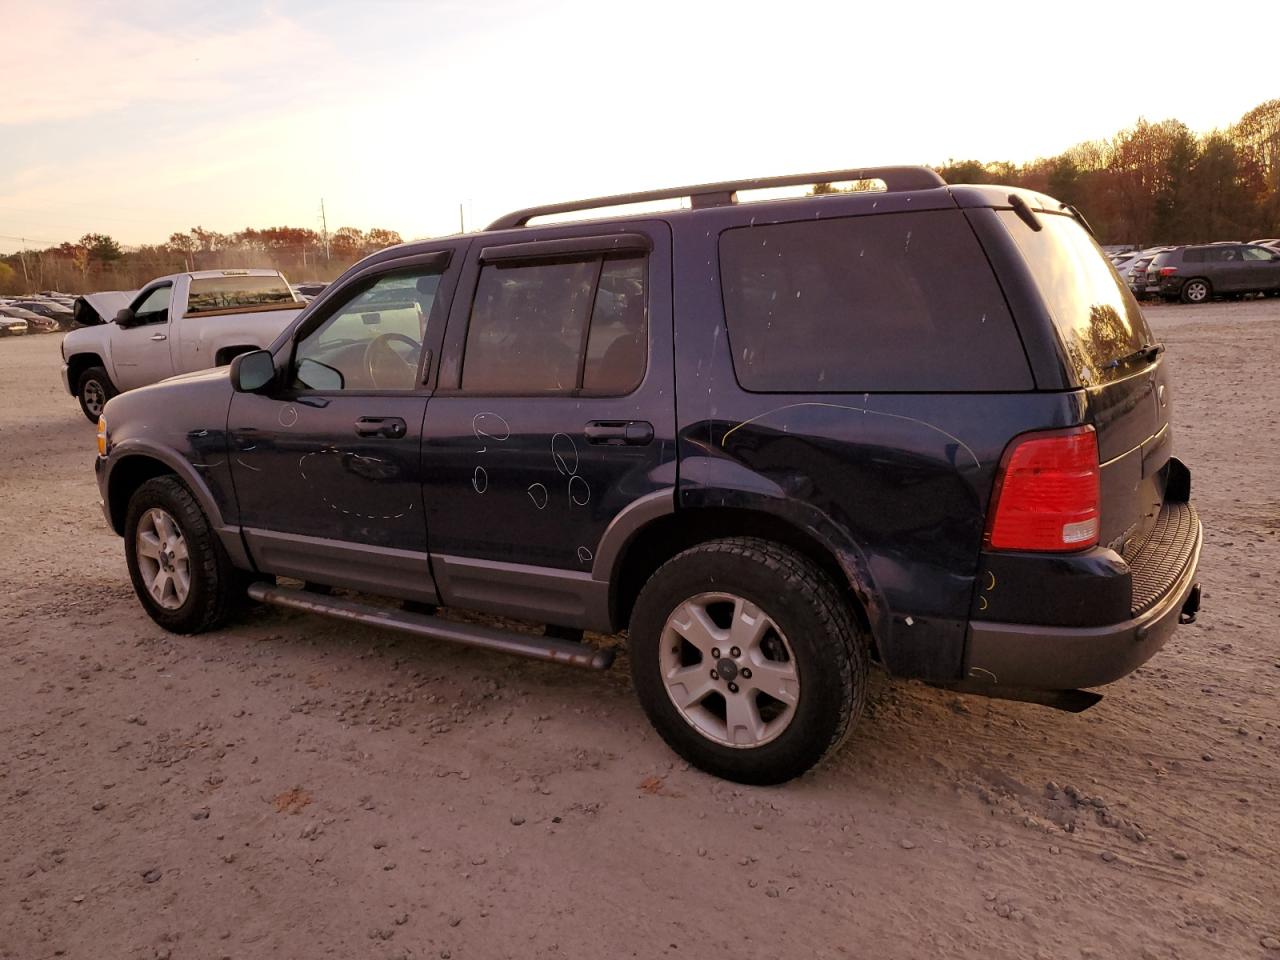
<point>1036,657</point>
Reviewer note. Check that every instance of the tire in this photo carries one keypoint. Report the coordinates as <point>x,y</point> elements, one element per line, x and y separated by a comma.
<point>93,390</point>
<point>826,653</point>
<point>215,588</point>
<point>1196,290</point>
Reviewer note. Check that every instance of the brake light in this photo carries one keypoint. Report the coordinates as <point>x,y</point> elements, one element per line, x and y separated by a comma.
<point>1046,493</point>
<point>1168,271</point>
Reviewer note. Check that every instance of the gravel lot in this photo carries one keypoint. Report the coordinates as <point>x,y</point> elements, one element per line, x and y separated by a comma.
<point>296,788</point>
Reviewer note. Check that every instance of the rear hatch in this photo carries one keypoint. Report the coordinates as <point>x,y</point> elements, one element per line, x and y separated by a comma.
<point>1112,355</point>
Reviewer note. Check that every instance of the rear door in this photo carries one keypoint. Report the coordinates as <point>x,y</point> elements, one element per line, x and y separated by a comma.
<point>1226,268</point>
<point>554,415</point>
<point>140,352</point>
<point>1102,332</point>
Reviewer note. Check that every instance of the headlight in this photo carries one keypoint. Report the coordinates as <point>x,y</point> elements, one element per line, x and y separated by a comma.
<point>102,436</point>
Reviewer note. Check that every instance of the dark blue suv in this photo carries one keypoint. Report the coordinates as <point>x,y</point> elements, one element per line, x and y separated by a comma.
<point>773,441</point>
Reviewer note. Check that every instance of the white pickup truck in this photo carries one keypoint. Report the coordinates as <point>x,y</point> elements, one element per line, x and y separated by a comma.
<point>176,324</point>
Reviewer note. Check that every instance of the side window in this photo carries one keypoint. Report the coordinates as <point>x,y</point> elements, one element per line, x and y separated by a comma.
<point>558,328</point>
<point>1193,255</point>
<point>1257,253</point>
<point>894,302</point>
<point>618,346</point>
<point>233,291</point>
<point>154,307</point>
<point>373,341</point>
<point>1222,255</point>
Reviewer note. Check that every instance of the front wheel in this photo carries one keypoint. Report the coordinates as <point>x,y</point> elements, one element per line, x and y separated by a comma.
<point>1196,291</point>
<point>181,574</point>
<point>747,660</point>
<point>93,390</point>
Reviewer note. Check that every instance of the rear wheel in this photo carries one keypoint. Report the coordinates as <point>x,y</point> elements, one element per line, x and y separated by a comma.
<point>748,660</point>
<point>93,390</point>
<point>181,574</point>
<point>1196,291</point>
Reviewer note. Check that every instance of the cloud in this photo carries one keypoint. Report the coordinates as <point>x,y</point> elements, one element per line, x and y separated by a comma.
<point>78,61</point>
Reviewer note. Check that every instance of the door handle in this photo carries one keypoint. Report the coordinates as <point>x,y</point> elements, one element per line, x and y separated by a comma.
<point>159,336</point>
<point>635,433</point>
<point>393,428</point>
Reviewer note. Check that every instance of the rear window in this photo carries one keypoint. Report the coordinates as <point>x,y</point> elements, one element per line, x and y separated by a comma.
<point>229,293</point>
<point>890,302</point>
<point>1097,317</point>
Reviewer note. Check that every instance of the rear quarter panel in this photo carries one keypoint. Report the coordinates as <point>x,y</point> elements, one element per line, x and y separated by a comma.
<point>895,485</point>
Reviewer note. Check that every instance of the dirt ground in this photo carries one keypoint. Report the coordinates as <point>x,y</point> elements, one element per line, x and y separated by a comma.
<point>295,788</point>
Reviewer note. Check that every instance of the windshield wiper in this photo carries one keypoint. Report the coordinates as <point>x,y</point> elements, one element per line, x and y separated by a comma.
<point>1145,353</point>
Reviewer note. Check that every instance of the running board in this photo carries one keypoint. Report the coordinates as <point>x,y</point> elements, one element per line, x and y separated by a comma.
<point>435,628</point>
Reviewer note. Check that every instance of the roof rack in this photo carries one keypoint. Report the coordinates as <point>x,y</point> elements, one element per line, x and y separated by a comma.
<point>724,194</point>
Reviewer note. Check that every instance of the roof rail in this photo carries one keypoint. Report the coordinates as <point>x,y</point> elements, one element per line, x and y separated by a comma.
<point>723,194</point>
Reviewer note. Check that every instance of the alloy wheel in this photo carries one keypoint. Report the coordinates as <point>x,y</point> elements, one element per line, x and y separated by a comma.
<point>162,559</point>
<point>729,670</point>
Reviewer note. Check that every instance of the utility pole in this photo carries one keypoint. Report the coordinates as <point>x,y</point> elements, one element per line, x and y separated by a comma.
<point>462,223</point>
<point>324,230</point>
<point>22,255</point>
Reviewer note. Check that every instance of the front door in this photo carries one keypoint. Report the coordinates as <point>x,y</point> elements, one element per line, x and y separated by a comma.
<point>326,467</point>
<point>140,352</point>
<point>553,415</point>
<point>1264,269</point>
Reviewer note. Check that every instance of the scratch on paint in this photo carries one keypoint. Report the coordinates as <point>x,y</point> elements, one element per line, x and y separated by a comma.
<point>841,406</point>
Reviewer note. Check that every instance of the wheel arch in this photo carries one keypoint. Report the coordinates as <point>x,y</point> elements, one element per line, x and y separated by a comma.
<point>78,363</point>
<point>664,536</point>
<point>133,463</point>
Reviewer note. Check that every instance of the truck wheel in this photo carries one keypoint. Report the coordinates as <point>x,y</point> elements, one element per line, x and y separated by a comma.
<point>94,389</point>
<point>179,570</point>
<point>1196,291</point>
<point>747,660</point>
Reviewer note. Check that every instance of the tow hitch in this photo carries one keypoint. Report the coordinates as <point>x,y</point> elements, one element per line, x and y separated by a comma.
<point>1191,607</point>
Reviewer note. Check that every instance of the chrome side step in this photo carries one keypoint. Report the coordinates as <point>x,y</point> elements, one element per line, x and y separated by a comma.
<point>435,628</point>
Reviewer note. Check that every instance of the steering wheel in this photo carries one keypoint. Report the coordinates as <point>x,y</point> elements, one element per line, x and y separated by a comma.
<point>386,367</point>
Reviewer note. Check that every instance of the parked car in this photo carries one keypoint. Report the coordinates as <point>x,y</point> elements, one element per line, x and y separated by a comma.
<point>33,321</point>
<point>1273,244</point>
<point>1198,273</point>
<point>1132,269</point>
<point>769,439</point>
<point>176,324</point>
<point>12,326</point>
<point>45,308</point>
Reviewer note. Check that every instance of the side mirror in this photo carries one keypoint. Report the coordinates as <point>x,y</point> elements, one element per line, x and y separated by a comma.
<point>125,317</point>
<point>252,372</point>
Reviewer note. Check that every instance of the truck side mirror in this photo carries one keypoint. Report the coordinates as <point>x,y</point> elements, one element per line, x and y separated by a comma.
<point>252,372</point>
<point>124,319</point>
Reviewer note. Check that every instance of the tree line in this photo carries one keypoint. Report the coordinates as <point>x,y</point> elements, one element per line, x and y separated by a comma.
<point>1160,183</point>
<point>1153,183</point>
<point>98,262</point>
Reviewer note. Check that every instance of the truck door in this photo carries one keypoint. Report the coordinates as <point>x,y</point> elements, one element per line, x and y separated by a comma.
<point>553,417</point>
<point>140,352</point>
<point>326,466</point>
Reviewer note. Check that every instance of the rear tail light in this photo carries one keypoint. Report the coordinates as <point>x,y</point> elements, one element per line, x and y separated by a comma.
<point>1168,271</point>
<point>1046,493</point>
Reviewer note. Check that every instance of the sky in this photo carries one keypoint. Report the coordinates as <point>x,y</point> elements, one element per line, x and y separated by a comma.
<point>143,118</point>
